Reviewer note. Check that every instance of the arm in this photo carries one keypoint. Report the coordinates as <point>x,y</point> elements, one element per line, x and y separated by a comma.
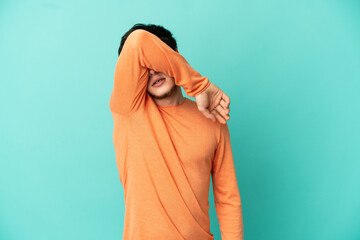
<point>226,191</point>
<point>142,51</point>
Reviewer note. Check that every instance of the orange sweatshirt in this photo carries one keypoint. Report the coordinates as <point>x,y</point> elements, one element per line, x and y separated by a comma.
<point>165,155</point>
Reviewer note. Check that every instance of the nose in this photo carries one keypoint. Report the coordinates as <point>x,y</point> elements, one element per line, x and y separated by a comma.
<point>151,72</point>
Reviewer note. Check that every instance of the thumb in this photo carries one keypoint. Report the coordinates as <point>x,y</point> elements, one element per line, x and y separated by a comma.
<point>208,114</point>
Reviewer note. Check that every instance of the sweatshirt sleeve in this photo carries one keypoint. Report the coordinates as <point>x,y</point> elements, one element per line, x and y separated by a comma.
<point>225,188</point>
<point>142,51</point>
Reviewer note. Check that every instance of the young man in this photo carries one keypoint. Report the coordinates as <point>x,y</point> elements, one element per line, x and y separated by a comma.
<point>167,145</point>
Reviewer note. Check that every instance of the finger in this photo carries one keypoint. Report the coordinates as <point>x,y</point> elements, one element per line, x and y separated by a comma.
<point>208,114</point>
<point>218,116</point>
<point>223,112</point>
<point>227,99</point>
<point>224,105</point>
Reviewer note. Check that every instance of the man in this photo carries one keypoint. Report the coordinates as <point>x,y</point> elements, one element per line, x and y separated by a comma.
<point>167,145</point>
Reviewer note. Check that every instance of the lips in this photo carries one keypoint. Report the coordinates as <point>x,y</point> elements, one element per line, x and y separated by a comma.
<point>157,80</point>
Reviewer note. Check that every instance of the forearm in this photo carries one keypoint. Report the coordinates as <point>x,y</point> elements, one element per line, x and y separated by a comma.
<point>229,213</point>
<point>142,51</point>
<point>157,55</point>
<point>226,190</point>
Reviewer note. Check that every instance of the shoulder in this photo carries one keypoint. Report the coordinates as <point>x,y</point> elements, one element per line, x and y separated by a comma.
<point>203,121</point>
<point>220,130</point>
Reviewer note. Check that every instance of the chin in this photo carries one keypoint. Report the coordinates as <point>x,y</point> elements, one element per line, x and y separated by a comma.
<point>162,91</point>
<point>159,91</point>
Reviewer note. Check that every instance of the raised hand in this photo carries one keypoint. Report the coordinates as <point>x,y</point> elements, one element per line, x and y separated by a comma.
<point>214,104</point>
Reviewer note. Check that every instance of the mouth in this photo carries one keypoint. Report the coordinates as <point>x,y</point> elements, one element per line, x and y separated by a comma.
<point>159,82</point>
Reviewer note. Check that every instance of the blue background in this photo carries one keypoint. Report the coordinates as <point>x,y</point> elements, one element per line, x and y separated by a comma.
<point>291,69</point>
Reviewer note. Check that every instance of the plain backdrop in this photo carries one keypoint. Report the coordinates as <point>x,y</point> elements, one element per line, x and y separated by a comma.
<point>291,69</point>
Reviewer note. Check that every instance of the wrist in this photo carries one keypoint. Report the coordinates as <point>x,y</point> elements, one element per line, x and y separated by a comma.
<point>207,86</point>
